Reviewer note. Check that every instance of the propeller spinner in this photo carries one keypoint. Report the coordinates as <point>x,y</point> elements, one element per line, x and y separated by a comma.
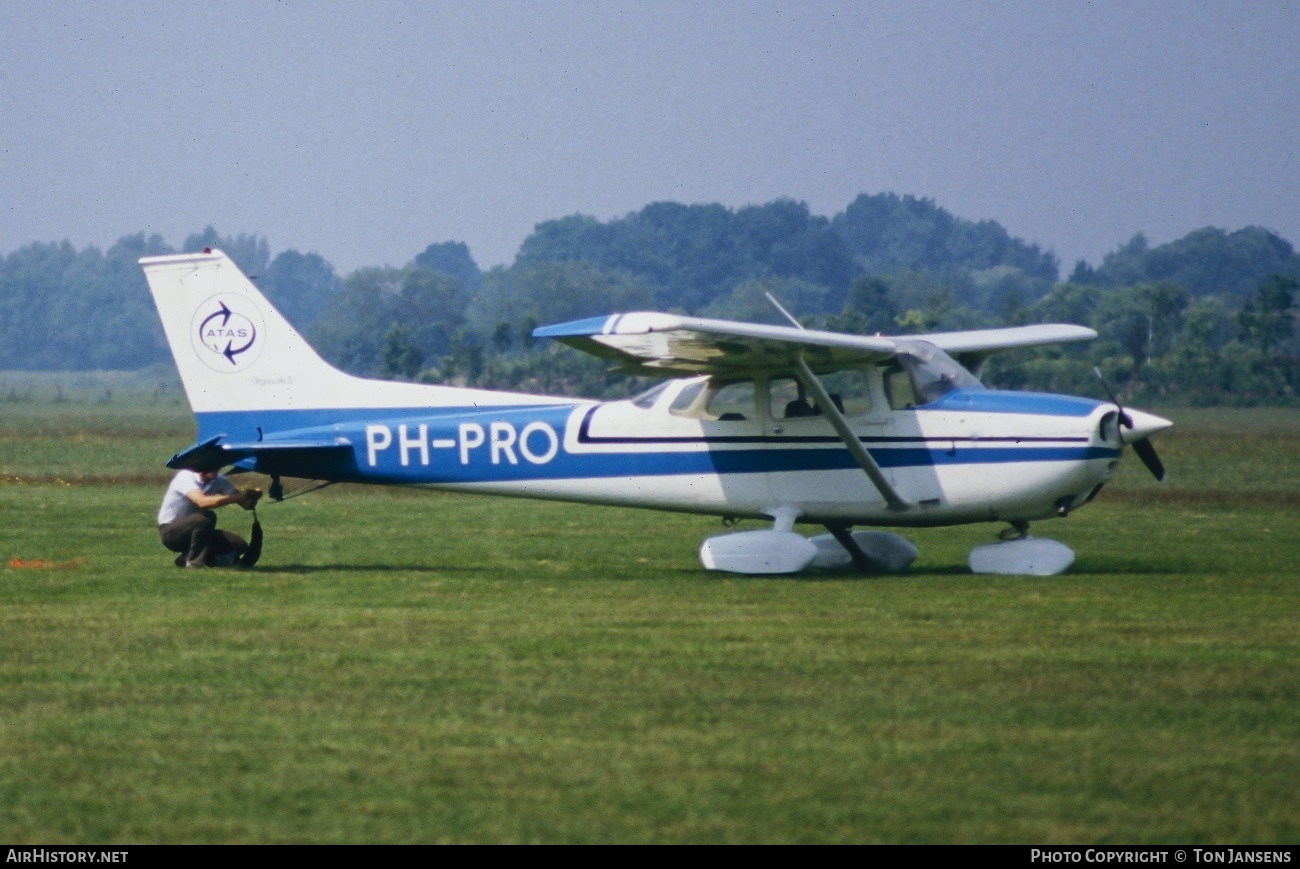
<point>1142,425</point>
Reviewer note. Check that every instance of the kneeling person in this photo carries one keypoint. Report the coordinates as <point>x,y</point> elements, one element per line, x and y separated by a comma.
<point>188,525</point>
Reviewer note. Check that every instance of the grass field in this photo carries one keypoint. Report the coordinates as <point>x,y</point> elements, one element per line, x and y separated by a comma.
<point>420,667</point>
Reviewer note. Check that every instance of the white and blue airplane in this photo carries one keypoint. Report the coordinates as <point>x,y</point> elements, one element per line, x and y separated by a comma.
<point>751,422</point>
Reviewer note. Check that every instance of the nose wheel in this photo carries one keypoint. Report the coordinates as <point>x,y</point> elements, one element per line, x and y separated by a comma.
<point>1018,554</point>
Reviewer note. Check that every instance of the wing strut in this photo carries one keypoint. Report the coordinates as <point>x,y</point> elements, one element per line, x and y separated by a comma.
<point>841,426</point>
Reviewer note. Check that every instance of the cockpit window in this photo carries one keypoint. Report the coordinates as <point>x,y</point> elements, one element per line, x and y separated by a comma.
<point>685,402</point>
<point>849,389</point>
<point>648,398</point>
<point>735,401</point>
<point>923,373</point>
<point>710,399</point>
<point>898,387</point>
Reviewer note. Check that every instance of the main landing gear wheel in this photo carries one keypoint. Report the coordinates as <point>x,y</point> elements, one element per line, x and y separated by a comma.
<point>871,552</point>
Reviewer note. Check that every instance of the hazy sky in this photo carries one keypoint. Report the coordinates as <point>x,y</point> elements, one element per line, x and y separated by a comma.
<point>365,131</point>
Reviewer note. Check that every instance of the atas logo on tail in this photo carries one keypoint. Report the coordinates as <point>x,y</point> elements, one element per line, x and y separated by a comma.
<point>228,333</point>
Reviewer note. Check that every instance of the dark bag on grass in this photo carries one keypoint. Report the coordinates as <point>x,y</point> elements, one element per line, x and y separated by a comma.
<point>254,550</point>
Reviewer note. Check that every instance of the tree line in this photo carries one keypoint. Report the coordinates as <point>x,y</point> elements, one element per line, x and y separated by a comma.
<point>1207,319</point>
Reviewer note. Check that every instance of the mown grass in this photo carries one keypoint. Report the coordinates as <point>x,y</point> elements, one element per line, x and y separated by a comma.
<point>422,667</point>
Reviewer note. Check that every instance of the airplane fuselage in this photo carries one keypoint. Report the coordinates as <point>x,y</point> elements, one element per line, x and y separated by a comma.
<point>972,456</point>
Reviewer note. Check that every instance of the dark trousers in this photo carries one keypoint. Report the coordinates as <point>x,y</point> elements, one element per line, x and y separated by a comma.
<point>196,538</point>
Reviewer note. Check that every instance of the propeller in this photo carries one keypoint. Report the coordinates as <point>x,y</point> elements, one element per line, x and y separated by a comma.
<point>1147,453</point>
<point>1142,447</point>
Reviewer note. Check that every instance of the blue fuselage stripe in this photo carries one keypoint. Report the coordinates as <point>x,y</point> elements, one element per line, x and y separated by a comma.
<point>515,443</point>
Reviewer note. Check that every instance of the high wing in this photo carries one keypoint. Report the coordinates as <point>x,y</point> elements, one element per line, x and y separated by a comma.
<point>666,345</point>
<point>973,348</point>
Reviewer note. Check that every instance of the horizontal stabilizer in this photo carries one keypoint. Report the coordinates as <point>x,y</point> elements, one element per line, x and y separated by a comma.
<point>216,452</point>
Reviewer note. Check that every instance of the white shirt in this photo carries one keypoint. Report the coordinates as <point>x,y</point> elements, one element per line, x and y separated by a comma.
<point>176,504</point>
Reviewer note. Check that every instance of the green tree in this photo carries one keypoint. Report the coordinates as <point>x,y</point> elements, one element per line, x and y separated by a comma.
<point>1068,302</point>
<point>1207,261</point>
<point>748,301</point>
<point>402,358</point>
<point>371,324</point>
<point>1196,370</point>
<point>432,306</point>
<point>869,309</point>
<point>350,332</point>
<point>250,252</point>
<point>301,286</point>
<point>552,293</point>
<point>1141,320</point>
<point>1267,320</point>
<point>64,309</point>
<point>890,234</point>
<point>451,258</point>
<point>693,254</point>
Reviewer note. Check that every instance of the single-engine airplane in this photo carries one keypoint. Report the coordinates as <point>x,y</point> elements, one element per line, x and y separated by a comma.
<point>751,421</point>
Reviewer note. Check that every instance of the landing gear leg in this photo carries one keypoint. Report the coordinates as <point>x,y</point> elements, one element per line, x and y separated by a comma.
<point>842,535</point>
<point>869,552</point>
<point>1019,530</point>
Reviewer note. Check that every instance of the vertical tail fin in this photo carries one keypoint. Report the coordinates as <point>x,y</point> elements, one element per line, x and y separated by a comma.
<point>234,350</point>
<point>248,372</point>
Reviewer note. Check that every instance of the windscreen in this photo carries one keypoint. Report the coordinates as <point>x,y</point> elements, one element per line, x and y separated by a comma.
<point>933,373</point>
